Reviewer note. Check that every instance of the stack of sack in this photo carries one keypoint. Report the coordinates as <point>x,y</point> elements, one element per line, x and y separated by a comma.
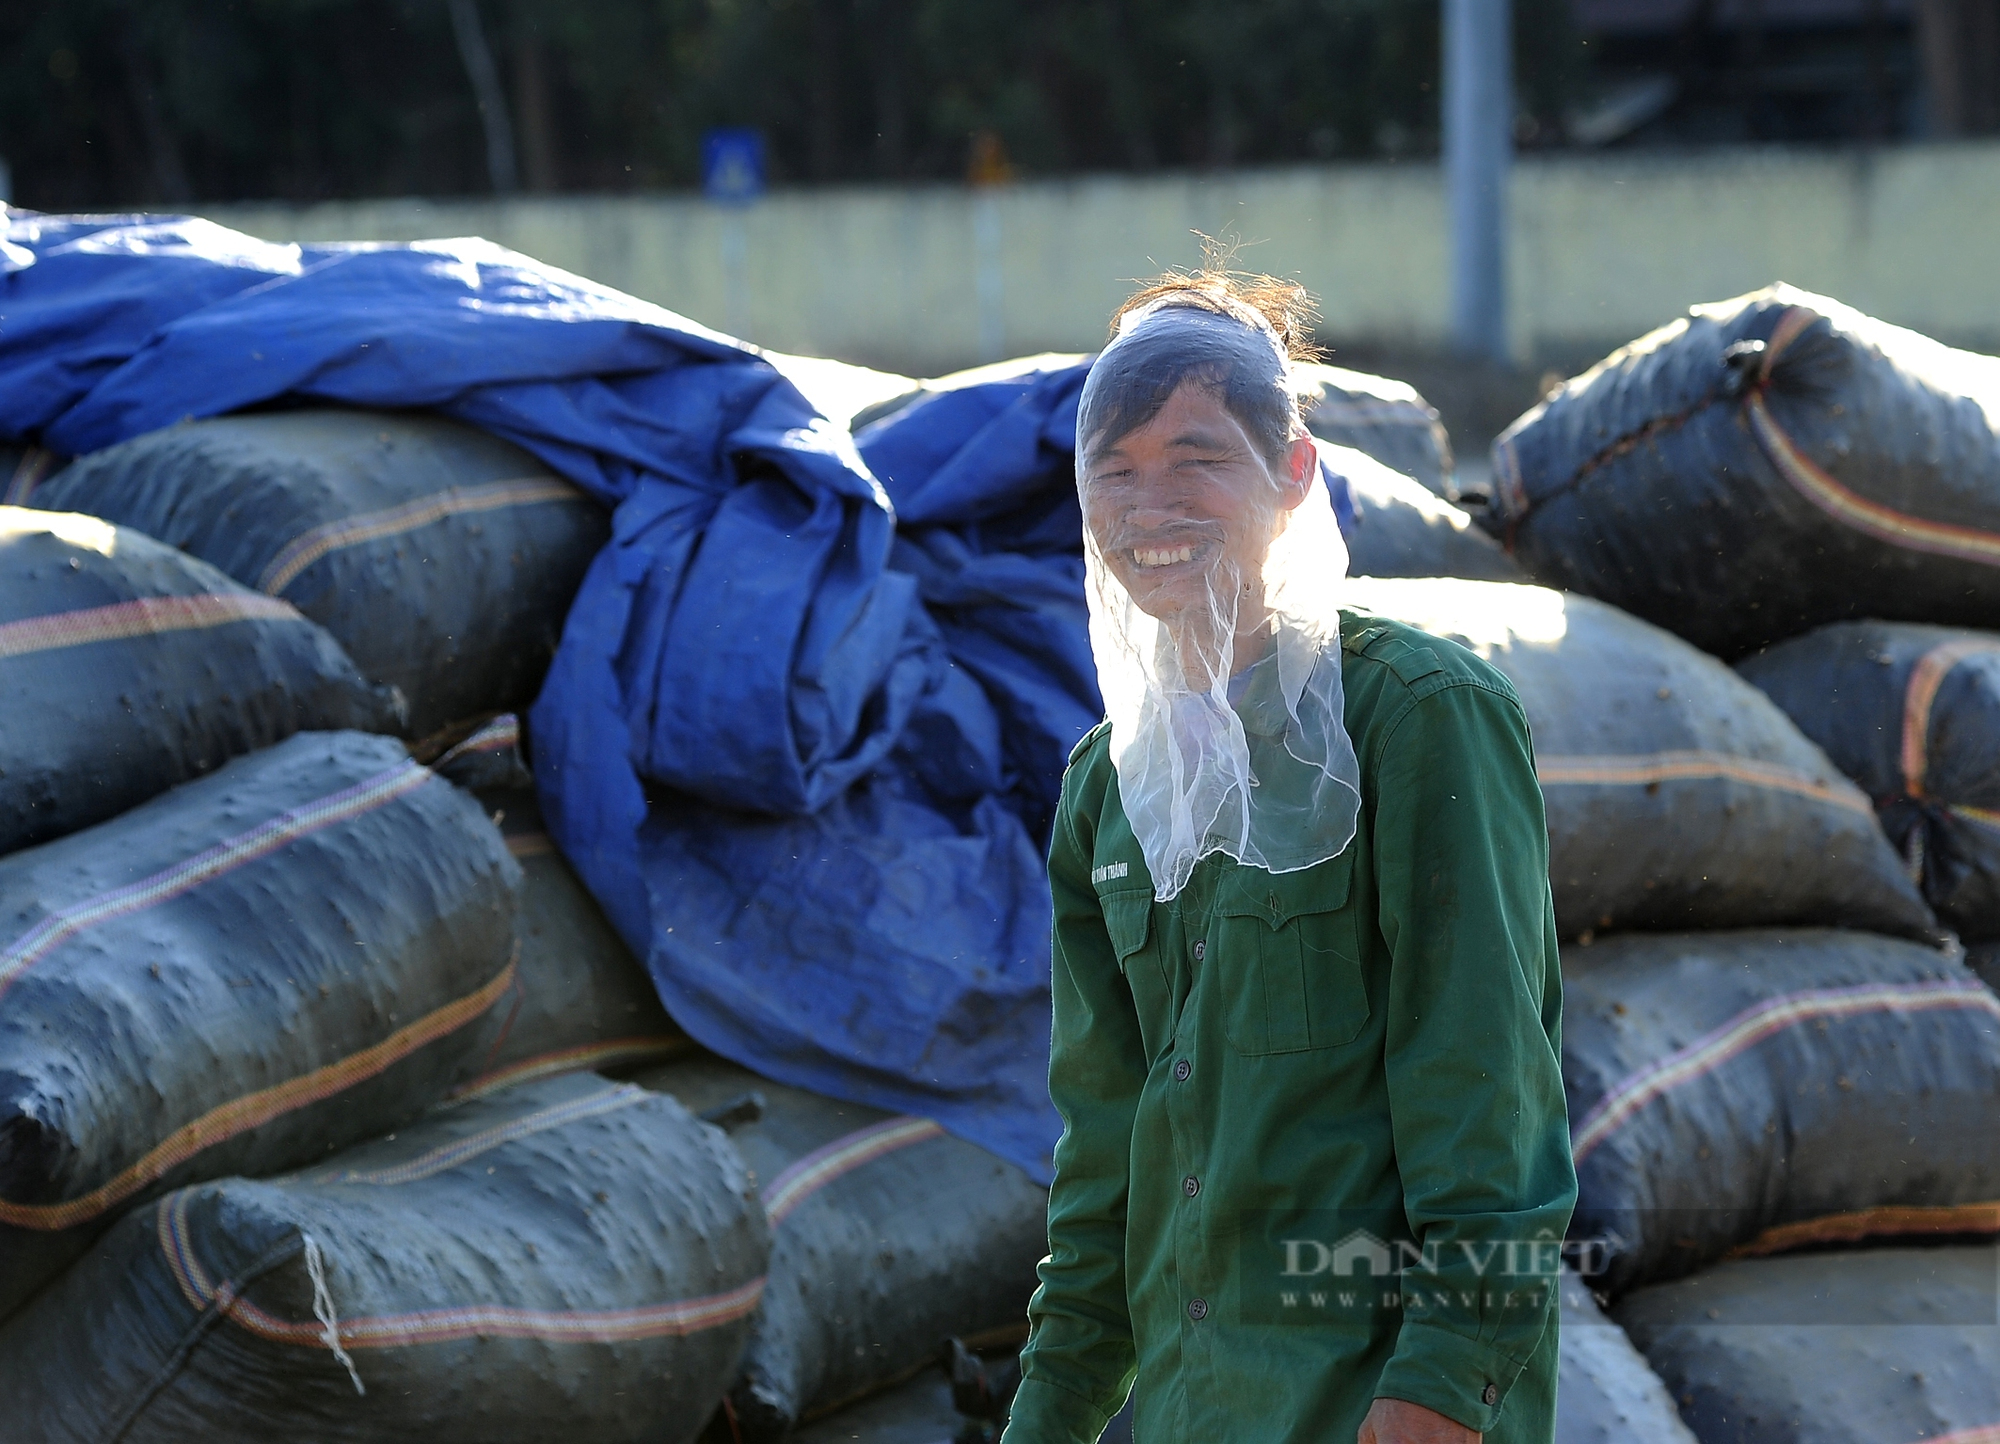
<point>304,1017</point>
<point>246,935</point>
<point>1781,1068</point>
<point>298,1035</point>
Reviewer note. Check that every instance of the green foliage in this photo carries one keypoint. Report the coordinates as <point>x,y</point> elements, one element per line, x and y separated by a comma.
<point>106,103</point>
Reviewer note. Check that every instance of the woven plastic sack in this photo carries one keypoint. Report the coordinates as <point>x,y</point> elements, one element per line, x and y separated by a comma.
<point>443,559</point>
<point>1606,1391</point>
<point>580,999</point>
<point>1678,795</point>
<point>304,948</point>
<point>1402,530</point>
<point>1912,714</point>
<point>888,1235</point>
<point>127,667</point>
<point>572,1259</point>
<point>1386,419</point>
<point>1761,466</point>
<point>1767,1090</point>
<point>1839,1348</point>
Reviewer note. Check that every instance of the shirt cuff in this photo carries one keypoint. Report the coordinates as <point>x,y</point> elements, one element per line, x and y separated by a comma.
<point>1045,1413</point>
<point>1460,1378</point>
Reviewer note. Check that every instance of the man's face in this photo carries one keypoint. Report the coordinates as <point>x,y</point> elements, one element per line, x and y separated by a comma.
<point>1185,507</point>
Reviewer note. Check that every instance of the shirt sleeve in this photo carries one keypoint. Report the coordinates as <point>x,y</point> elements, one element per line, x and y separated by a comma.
<point>1473,1047</point>
<point>1079,1361</point>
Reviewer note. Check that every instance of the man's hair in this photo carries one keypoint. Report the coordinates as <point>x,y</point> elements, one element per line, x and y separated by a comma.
<point>1246,372</point>
<point>1286,307</point>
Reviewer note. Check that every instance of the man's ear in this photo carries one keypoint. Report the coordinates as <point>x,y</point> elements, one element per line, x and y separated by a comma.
<point>1303,459</point>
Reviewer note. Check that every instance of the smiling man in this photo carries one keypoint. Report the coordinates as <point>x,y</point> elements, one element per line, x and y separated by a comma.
<point>1315,1164</point>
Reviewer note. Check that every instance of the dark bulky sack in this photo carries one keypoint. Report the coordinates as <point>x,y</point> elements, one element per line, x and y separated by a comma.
<point>1832,1348</point>
<point>1768,1090</point>
<point>443,559</point>
<point>304,948</point>
<point>582,1000</point>
<point>888,1235</point>
<point>571,1259</point>
<point>127,667</point>
<point>1678,795</point>
<point>1402,530</point>
<point>1606,1392</point>
<point>1912,714</point>
<point>1386,419</point>
<point>1761,466</point>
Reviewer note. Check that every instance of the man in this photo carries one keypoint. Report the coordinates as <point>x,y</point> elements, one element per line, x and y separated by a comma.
<point>1315,1164</point>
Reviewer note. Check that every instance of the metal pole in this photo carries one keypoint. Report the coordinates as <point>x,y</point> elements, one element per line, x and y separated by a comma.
<point>485,78</point>
<point>1478,144</point>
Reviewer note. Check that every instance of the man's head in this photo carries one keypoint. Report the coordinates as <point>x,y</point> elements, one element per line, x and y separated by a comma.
<point>1208,549</point>
<point>1191,454</point>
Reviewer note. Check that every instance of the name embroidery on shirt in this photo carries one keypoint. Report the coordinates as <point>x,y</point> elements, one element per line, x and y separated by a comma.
<point>1107,872</point>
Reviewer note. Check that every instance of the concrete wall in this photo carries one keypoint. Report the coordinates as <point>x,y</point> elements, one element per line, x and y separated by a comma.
<point>928,279</point>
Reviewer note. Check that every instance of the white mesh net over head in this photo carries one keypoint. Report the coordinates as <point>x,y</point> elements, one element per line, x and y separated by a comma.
<point>1213,570</point>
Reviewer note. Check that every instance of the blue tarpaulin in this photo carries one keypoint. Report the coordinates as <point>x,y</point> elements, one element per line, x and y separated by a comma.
<point>804,758</point>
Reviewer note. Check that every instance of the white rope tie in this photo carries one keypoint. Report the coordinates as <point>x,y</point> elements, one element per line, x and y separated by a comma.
<point>323,1309</point>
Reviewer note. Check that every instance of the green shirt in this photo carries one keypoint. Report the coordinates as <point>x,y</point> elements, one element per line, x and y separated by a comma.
<point>1315,1148</point>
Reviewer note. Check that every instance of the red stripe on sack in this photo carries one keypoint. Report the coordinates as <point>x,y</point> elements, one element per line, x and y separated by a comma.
<point>1645,770</point>
<point>675,1319</point>
<point>1977,1434</point>
<point>302,551</point>
<point>1717,1046</point>
<point>808,1175</point>
<point>1895,1220</point>
<point>610,1053</point>
<point>225,856</point>
<point>141,617</point>
<point>497,735</point>
<point>449,1324</point>
<point>1851,509</point>
<point>252,1110</point>
<point>1919,695</point>
<point>612,1098</point>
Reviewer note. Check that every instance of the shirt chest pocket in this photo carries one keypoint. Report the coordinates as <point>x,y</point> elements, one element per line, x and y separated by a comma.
<point>1286,955</point>
<point>1128,918</point>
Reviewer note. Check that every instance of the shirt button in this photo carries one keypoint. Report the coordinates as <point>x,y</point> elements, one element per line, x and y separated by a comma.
<point>1182,1070</point>
<point>1200,949</point>
<point>1198,1309</point>
<point>1192,1185</point>
<point>1489,1394</point>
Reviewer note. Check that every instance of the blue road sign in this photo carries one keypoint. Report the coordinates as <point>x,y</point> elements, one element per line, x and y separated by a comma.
<point>732,163</point>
